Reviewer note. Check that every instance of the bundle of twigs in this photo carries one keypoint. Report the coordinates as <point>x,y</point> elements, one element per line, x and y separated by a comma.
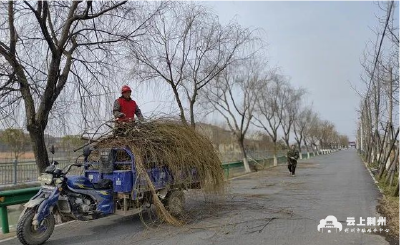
<point>174,145</point>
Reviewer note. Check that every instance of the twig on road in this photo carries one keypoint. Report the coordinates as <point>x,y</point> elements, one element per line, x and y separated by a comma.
<point>265,225</point>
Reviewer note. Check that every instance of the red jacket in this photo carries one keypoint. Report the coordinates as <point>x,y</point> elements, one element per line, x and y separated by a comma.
<point>128,107</point>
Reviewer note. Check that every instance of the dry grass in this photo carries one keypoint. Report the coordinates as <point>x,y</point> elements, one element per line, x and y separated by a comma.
<point>168,143</point>
<point>389,208</point>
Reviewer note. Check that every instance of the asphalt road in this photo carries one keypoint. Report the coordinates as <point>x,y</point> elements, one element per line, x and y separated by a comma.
<point>267,207</point>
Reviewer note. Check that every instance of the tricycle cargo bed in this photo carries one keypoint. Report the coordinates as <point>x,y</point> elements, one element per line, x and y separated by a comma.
<point>118,165</point>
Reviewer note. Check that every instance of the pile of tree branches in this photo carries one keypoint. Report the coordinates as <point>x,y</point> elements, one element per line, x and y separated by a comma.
<point>168,143</point>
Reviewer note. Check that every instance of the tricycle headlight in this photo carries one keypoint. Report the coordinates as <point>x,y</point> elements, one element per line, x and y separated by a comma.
<point>58,181</point>
<point>45,179</point>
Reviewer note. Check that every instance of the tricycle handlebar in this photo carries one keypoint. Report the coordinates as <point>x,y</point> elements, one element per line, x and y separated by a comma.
<point>76,165</point>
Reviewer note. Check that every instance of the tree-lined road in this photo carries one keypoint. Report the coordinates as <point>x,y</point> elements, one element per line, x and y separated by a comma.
<point>267,207</point>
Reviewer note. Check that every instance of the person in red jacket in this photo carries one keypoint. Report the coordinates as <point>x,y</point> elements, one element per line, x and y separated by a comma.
<point>125,108</point>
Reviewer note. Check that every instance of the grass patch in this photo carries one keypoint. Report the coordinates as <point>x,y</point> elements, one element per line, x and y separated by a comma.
<point>373,165</point>
<point>389,208</point>
<point>389,205</point>
<point>387,189</point>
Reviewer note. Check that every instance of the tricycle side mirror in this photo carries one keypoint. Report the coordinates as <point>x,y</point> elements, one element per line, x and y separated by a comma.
<point>86,151</point>
<point>52,149</point>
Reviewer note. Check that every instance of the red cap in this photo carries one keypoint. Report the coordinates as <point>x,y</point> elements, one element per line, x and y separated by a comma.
<point>125,88</point>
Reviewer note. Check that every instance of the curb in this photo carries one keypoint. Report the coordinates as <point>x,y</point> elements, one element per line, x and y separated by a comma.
<point>372,176</point>
<point>12,236</point>
<point>281,164</point>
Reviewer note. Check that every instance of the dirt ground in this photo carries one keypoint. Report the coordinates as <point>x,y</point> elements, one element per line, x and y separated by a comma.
<point>10,156</point>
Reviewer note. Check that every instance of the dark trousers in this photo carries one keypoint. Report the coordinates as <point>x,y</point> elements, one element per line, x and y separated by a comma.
<point>292,166</point>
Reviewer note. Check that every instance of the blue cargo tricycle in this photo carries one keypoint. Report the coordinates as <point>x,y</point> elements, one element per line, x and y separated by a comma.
<point>109,185</point>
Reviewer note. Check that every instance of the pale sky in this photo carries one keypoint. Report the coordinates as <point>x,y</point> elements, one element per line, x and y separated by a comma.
<point>318,44</point>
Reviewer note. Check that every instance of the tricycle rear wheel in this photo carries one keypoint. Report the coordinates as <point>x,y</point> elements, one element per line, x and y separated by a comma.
<point>175,203</point>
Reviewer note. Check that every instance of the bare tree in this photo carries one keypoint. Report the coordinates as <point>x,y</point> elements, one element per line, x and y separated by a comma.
<point>291,100</point>
<point>233,95</point>
<point>312,132</point>
<point>186,47</point>
<point>216,48</point>
<point>300,125</point>
<point>377,133</point>
<point>344,141</point>
<point>326,134</point>
<point>269,108</point>
<point>322,134</point>
<point>50,47</point>
<point>16,140</point>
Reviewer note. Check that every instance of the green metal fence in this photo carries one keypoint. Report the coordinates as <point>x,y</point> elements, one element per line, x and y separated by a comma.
<point>228,167</point>
<point>13,197</point>
<point>22,171</point>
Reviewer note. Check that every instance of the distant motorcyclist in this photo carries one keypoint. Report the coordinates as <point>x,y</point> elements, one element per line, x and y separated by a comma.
<point>292,156</point>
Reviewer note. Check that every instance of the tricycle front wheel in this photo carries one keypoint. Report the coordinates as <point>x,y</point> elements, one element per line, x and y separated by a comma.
<point>28,234</point>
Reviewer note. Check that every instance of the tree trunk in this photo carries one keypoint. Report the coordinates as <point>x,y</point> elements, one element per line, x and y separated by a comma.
<point>389,177</point>
<point>369,134</point>
<point>299,145</point>
<point>396,191</point>
<point>369,150</point>
<point>382,144</point>
<point>192,101</point>
<point>286,141</point>
<point>391,104</point>
<point>377,91</point>
<point>392,144</point>
<point>275,153</point>
<point>178,101</point>
<point>306,145</point>
<point>307,149</point>
<point>39,147</point>
<point>245,161</point>
<point>377,146</point>
<point>395,170</point>
<point>192,122</point>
